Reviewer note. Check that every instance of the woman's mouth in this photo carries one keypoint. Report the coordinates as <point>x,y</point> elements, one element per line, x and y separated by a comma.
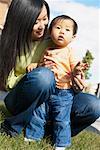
<point>40,32</point>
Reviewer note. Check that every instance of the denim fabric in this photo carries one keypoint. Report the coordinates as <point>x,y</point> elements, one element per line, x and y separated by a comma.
<point>36,127</point>
<point>60,106</point>
<point>35,88</point>
<point>85,111</point>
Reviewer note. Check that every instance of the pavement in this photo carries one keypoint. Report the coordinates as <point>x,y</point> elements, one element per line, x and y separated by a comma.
<point>95,127</point>
<point>96,124</point>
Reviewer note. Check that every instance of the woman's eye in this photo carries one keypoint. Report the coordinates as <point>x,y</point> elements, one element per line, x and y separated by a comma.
<point>36,22</point>
<point>45,19</point>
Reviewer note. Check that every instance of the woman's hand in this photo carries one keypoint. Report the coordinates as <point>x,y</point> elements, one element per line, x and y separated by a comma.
<point>30,67</point>
<point>47,62</point>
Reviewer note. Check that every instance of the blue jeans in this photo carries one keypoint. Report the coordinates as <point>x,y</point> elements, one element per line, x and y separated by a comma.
<point>85,111</point>
<point>59,105</point>
<point>60,108</point>
<point>35,129</point>
<point>35,88</point>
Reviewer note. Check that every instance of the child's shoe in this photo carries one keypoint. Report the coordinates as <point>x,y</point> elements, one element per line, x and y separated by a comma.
<point>60,148</point>
<point>28,140</point>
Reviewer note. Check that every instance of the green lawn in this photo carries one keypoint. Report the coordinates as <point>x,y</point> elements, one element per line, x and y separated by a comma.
<point>86,140</point>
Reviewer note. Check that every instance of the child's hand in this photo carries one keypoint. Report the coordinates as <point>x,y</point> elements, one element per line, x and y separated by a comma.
<point>78,84</point>
<point>79,69</point>
<point>78,77</point>
<point>30,67</point>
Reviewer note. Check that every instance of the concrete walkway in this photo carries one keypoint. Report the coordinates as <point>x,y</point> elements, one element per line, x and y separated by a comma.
<point>96,124</point>
<point>95,127</point>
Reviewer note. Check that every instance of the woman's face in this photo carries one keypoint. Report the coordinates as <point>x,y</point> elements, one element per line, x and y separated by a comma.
<point>40,24</point>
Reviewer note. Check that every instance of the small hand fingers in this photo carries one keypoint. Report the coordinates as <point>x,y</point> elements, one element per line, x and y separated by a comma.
<point>79,83</point>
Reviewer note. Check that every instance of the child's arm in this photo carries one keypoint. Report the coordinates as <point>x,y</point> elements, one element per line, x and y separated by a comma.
<point>80,69</point>
<point>78,72</point>
<point>78,77</point>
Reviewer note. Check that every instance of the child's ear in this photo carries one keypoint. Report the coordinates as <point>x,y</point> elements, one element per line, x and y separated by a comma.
<point>74,36</point>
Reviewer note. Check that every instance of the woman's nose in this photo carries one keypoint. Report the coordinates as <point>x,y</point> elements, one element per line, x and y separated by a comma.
<point>41,25</point>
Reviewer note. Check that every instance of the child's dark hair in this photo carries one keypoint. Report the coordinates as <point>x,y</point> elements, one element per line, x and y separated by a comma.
<point>64,17</point>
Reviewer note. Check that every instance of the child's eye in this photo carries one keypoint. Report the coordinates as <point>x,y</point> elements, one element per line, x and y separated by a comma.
<point>58,27</point>
<point>67,30</point>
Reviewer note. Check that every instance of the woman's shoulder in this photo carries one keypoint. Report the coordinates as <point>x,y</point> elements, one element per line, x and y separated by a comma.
<point>47,38</point>
<point>48,41</point>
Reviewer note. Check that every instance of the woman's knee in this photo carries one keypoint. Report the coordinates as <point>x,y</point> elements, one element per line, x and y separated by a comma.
<point>43,77</point>
<point>94,104</point>
<point>84,102</point>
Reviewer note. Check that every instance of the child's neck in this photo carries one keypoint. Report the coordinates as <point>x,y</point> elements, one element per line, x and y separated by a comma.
<point>59,47</point>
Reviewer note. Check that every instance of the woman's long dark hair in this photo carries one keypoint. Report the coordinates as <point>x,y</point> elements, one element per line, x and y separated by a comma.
<point>17,33</point>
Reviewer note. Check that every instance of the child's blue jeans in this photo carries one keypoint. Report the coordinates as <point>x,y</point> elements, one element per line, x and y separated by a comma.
<point>60,104</point>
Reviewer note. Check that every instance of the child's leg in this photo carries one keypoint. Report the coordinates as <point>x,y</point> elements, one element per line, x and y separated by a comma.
<point>35,128</point>
<point>61,104</point>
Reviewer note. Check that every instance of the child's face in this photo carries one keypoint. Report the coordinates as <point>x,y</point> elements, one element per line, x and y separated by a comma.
<point>62,32</point>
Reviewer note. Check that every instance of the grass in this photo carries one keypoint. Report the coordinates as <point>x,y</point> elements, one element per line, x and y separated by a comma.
<point>86,140</point>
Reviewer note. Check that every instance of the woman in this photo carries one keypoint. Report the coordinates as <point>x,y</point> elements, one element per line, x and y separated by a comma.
<point>21,43</point>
